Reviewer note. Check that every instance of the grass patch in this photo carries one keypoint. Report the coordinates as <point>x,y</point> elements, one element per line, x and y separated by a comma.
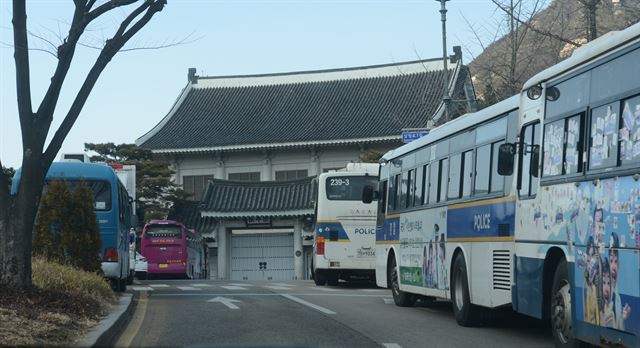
<point>63,303</point>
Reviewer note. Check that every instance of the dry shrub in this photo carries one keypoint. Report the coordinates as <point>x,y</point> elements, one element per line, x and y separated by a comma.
<point>53,276</point>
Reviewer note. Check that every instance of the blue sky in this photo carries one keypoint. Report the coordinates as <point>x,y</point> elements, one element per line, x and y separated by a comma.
<point>226,38</point>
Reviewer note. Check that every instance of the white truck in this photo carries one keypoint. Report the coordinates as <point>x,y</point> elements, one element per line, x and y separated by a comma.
<point>127,175</point>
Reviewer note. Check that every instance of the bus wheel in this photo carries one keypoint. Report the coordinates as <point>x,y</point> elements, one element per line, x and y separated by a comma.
<point>319,278</point>
<point>463,310</point>
<point>400,297</point>
<point>561,308</point>
<point>332,278</point>
<point>122,285</point>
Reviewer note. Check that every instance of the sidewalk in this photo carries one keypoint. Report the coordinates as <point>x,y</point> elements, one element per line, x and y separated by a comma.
<point>107,330</point>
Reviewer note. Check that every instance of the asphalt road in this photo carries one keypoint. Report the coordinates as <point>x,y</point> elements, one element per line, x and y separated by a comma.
<point>190,313</point>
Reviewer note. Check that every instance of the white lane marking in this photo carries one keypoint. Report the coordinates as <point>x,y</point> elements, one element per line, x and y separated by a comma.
<point>225,301</point>
<point>231,287</point>
<point>388,300</point>
<point>324,289</point>
<point>159,285</point>
<point>142,288</point>
<point>187,288</point>
<point>240,284</point>
<point>282,284</point>
<point>308,304</point>
<point>277,287</point>
<point>374,290</point>
<point>201,285</point>
<point>391,345</point>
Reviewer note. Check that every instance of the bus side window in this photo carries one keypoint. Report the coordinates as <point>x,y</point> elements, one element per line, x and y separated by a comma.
<point>433,182</point>
<point>382,203</point>
<point>444,180</point>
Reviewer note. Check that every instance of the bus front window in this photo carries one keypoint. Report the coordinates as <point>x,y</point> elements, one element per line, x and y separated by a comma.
<point>163,231</point>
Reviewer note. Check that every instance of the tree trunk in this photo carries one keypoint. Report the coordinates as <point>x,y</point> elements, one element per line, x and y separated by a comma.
<point>15,245</point>
<point>17,217</point>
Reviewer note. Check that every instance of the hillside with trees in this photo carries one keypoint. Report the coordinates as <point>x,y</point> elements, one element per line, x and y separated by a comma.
<point>534,34</point>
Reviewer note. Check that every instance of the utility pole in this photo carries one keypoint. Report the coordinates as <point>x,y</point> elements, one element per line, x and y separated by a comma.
<point>446,98</point>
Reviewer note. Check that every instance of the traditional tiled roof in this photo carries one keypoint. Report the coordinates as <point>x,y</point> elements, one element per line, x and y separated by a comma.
<point>189,213</point>
<point>235,199</point>
<point>356,105</point>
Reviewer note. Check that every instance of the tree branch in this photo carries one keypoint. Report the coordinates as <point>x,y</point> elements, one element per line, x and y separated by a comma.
<point>21,56</point>
<point>539,31</point>
<point>106,7</point>
<point>127,21</point>
<point>112,47</point>
<point>31,49</point>
<point>89,5</point>
<point>66,52</point>
<point>184,41</point>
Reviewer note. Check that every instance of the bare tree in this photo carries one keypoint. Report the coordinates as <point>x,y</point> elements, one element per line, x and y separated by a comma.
<point>504,65</point>
<point>17,211</point>
<point>590,8</point>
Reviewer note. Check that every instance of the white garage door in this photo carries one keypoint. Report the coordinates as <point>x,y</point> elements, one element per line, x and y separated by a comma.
<point>264,256</point>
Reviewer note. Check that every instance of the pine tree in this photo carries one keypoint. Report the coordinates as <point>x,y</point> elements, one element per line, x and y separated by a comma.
<point>86,244</point>
<point>50,227</point>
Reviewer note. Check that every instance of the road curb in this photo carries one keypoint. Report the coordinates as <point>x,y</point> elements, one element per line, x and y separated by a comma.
<point>109,328</point>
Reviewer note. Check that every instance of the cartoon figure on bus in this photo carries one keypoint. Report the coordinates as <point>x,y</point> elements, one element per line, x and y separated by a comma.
<point>590,294</point>
<point>614,224</point>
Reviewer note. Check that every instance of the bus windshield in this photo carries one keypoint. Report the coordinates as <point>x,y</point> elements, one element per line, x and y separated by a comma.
<point>348,188</point>
<point>163,231</point>
<point>101,192</point>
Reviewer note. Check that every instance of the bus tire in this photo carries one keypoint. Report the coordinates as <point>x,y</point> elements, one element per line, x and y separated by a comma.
<point>560,308</point>
<point>332,278</point>
<point>400,298</point>
<point>466,314</point>
<point>319,278</point>
<point>122,285</point>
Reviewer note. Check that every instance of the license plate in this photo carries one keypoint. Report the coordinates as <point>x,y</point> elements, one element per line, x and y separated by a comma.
<point>163,265</point>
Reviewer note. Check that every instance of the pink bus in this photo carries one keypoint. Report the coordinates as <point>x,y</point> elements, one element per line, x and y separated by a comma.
<point>172,250</point>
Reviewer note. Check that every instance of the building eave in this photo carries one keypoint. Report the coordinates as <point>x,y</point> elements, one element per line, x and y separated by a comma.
<point>250,147</point>
<point>249,214</point>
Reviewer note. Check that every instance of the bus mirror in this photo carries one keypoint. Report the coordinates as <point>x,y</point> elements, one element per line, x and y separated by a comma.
<point>367,194</point>
<point>535,161</point>
<point>506,155</point>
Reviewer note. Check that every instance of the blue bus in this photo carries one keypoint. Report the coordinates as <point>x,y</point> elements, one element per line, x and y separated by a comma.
<point>113,212</point>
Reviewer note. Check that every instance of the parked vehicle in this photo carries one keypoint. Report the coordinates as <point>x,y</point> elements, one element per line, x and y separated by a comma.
<point>113,211</point>
<point>344,245</point>
<point>172,250</point>
<point>533,202</point>
<point>132,256</point>
<point>141,266</point>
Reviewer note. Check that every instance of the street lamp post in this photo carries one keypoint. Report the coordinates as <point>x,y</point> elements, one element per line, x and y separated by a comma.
<point>446,98</point>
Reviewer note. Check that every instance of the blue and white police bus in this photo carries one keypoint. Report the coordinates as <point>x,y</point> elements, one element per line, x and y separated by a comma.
<point>344,245</point>
<point>533,202</point>
<point>445,217</point>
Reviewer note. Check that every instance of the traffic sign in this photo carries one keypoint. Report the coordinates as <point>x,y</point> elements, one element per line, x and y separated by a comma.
<point>409,135</point>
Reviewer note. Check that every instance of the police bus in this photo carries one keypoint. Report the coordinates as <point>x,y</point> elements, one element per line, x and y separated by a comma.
<point>445,216</point>
<point>344,244</point>
<point>577,164</point>
<point>533,202</point>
